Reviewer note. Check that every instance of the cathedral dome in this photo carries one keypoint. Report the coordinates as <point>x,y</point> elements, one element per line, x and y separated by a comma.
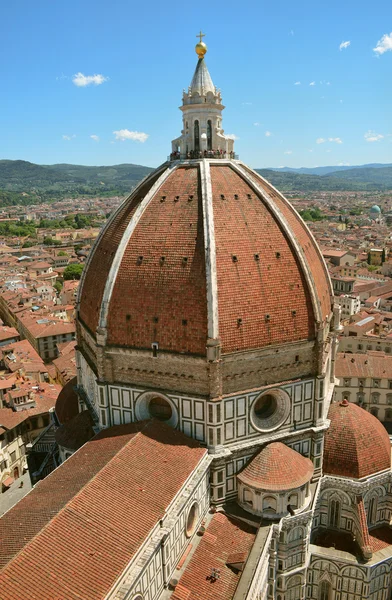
<point>205,250</point>
<point>356,443</point>
<point>277,468</point>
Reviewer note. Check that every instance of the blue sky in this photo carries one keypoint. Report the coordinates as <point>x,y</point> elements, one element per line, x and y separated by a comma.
<point>143,55</point>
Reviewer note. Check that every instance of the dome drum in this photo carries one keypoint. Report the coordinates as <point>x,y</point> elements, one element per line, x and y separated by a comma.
<point>273,505</point>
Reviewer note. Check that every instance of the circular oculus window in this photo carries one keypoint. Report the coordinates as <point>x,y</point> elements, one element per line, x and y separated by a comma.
<point>152,405</point>
<point>191,522</point>
<point>270,410</point>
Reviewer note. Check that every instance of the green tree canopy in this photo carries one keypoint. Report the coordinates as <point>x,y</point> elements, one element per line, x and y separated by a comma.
<point>73,271</point>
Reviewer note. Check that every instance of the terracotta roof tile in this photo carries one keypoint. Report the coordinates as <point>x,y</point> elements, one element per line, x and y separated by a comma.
<point>74,534</point>
<point>229,536</point>
<point>356,444</point>
<point>277,467</point>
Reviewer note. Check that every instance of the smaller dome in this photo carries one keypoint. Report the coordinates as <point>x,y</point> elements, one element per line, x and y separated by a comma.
<point>76,432</point>
<point>277,468</point>
<point>375,209</point>
<point>356,444</point>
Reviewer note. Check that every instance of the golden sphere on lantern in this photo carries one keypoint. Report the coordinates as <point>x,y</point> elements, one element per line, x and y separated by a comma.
<point>201,49</point>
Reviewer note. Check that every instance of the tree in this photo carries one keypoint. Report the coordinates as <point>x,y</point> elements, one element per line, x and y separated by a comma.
<point>383,256</point>
<point>28,244</point>
<point>48,241</point>
<point>62,253</point>
<point>73,271</point>
<point>58,286</point>
<point>81,221</point>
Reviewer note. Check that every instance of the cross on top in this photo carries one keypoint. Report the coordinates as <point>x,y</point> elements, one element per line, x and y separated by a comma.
<point>201,35</point>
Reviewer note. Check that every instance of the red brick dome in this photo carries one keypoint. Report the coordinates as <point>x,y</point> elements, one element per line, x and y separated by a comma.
<point>356,443</point>
<point>277,468</point>
<point>205,250</point>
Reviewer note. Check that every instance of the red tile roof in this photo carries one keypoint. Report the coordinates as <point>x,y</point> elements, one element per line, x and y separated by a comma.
<point>102,257</point>
<point>160,289</point>
<point>309,246</point>
<point>380,538</point>
<point>224,536</point>
<point>158,297</point>
<point>74,534</point>
<point>277,468</point>
<point>45,398</point>
<point>248,289</point>
<point>7,333</point>
<point>356,444</point>
<point>374,364</point>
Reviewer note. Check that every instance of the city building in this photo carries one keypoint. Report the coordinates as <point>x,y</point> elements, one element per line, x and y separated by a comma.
<point>218,465</point>
<point>366,379</point>
<point>350,305</point>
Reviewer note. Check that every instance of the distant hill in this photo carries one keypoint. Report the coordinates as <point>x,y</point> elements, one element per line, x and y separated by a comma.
<point>58,181</point>
<point>22,182</point>
<point>359,179</point>
<point>326,170</point>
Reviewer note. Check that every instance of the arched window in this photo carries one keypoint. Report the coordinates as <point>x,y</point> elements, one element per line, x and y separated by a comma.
<point>209,135</point>
<point>334,513</point>
<point>293,500</point>
<point>197,136</point>
<point>248,497</point>
<point>375,397</point>
<point>269,505</point>
<point>372,511</point>
<point>325,591</point>
<point>360,398</point>
<point>374,411</point>
<point>388,414</point>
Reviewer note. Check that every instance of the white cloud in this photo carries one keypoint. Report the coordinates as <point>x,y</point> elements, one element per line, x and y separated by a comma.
<point>312,83</point>
<point>344,45</point>
<point>336,140</point>
<point>247,103</point>
<point>372,136</point>
<point>68,137</point>
<point>297,83</point>
<point>384,44</point>
<point>291,31</point>
<point>328,83</point>
<point>81,80</point>
<point>256,124</point>
<point>268,134</point>
<point>288,152</point>
<point>232,136</point>
<point>343,164</point>
<point>125,134</point>
<point>320,141</point>
<point>95,138</point>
